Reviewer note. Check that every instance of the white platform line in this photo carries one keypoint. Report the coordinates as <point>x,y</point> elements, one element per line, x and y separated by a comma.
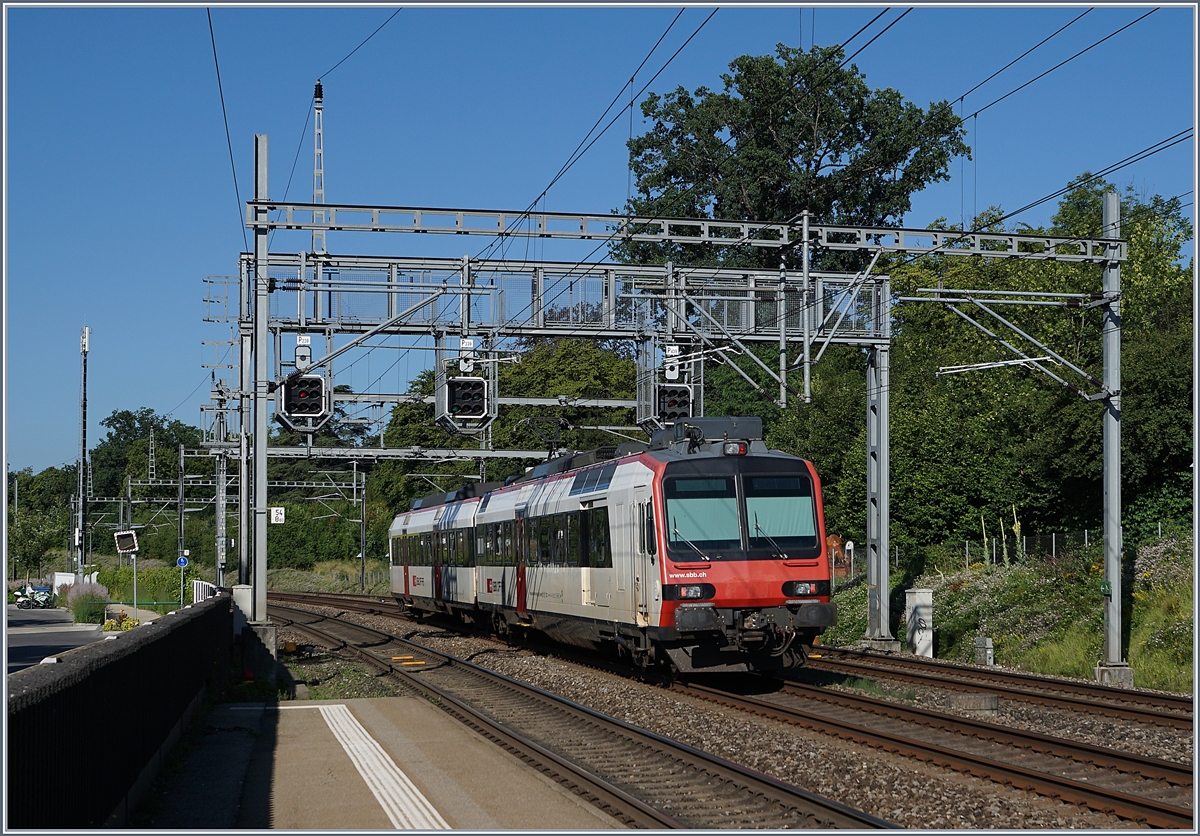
<point>404,804</point>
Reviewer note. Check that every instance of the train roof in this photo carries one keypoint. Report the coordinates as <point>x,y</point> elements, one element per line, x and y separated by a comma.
<point>690,436</point>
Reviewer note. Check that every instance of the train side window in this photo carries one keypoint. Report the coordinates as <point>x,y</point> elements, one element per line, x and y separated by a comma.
<point>560,539</point>
<point>572,545</point>
<point>578,485</point>
<point>651,543</point>
<point>599,550</point>
<point>544,537</point>
<point>640,517</point>
<point>591,479</point>
<point>507,533</point>
<point>606,476</point>
<point>585,540</point>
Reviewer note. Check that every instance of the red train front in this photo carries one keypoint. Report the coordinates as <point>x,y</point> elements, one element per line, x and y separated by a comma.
<point>745,576</point>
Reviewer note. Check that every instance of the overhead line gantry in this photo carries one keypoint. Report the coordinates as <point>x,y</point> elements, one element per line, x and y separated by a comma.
<point>719,312</point>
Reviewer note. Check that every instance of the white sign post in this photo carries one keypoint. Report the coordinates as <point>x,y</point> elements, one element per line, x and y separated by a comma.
<point>183,562</point>
<point>127,544</point>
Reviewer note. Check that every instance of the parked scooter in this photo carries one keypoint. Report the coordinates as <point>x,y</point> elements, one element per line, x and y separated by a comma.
<point>31,599</point>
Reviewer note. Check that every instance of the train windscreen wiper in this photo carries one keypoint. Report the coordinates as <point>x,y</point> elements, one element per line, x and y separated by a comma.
<point>778,551</point>
<point>695,548</point>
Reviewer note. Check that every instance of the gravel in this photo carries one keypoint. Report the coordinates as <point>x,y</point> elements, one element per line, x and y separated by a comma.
<point>907,792</point>
<point>1141,739</point>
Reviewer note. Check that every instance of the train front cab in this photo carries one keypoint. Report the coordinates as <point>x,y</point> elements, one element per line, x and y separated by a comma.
<point>745,575</point>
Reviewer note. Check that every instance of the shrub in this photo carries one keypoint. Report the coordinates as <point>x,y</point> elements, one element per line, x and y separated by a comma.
<point>86,601</point>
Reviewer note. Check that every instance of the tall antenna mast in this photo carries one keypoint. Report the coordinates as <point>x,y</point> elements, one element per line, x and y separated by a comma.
<point>318,236</point>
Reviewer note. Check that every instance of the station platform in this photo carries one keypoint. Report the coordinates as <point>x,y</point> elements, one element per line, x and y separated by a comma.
<point>360,764</point>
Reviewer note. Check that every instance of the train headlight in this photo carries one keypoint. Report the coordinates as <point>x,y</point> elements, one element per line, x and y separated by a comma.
<point>794,588</point>
<point>734,448</point>
<point>688,591</point>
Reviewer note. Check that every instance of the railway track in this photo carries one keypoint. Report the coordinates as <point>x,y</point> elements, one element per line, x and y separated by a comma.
<point>1170,710</point>
<point>1142,789</point>
<point>644,780</point>
<point>1155,792</point>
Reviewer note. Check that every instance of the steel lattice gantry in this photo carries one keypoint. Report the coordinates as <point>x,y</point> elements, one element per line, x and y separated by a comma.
<point>704,314</point>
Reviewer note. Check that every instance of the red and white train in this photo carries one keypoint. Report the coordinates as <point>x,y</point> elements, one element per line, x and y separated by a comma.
<point>703,550</point>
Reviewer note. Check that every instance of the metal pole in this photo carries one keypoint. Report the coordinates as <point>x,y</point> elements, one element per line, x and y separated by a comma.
<point>179,547</point>
<point>806,311</point>
<point>262,313</point>
<point>781,312</point>
<point>878,611</point>
<point>81,527</point>
<point>16,498</point>
<point>245,515</point>
<point>222,531</point>
<point>362,528</point>
<point>362,555</point>
<point>1113,545</point>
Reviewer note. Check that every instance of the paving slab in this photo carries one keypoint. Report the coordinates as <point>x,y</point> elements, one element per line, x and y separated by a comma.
<point>376,764</point>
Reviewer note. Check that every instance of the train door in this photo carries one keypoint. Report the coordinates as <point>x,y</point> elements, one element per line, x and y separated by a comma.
<point>522,557</point>
<point>643,546</point>
<point>621,550</point>
<point>404,549</point>
<point>437,565</point>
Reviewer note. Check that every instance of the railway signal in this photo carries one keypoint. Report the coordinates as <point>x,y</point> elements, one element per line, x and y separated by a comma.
<point>304,396</point>
<point>466,397</point>
<point>674,402</point>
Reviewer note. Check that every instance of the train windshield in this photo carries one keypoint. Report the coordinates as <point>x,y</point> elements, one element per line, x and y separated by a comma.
<point>740,509</point>
<point>780,512</point>
<point>702,513</point>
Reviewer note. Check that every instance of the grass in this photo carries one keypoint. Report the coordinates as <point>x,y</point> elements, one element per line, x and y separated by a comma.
<point>1046,615</point>
<point>331,577</point>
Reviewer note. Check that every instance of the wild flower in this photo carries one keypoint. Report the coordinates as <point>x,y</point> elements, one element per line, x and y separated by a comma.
<point>1164,563</point>
<point>86,590</point>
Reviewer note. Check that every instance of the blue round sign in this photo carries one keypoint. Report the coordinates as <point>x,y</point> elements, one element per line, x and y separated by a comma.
<point>183,561</point>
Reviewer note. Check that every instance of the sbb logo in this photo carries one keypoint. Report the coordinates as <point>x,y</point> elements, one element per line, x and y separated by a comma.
<point>495,585</point>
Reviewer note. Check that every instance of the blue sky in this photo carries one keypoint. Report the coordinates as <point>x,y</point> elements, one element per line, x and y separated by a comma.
<point>120,196</point>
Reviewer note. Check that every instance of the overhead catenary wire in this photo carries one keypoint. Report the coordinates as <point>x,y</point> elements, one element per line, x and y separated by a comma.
<point>312,100</point>
<point>726,142</point>
<point>571,271</point>
<point>228,141</point>
<point>1025,53</point>
<point>577,154</point>
<point>1062,63</point>
<point>608,239</point>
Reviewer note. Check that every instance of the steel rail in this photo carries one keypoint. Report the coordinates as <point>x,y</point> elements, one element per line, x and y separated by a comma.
<point>1124,805</point>
<point>1157,709</point>
<point>1129,762</point>
<point>742,782</point>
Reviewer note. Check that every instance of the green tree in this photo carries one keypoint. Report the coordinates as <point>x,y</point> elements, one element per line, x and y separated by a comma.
<point>32,533</point>
<point>788,132</point>
<point>130,429</point>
